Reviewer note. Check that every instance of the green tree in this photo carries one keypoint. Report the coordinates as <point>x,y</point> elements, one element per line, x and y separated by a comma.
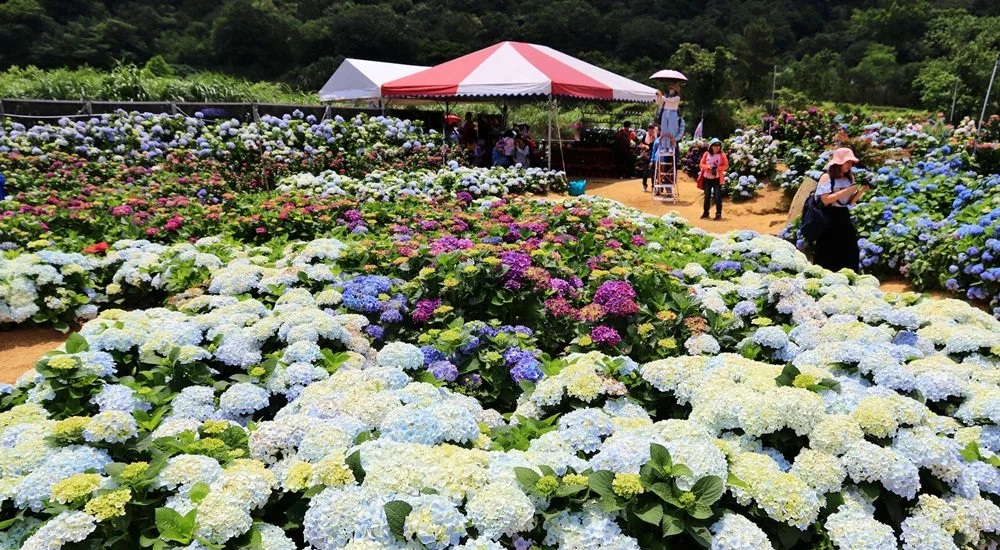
<point>707,73</point>
<point>966,45</point>
<point>754,60</point>
<point>567,25</point>
<point>821,76</point>
<point>373,32</point>
<point>875,76</point>
<point>22,23</point>
<point>900,25</point>
<point>254,38</point>
<point>937,84</point>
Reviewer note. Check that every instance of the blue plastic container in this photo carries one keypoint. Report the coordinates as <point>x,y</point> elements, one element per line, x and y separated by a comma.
<point>577,187</point>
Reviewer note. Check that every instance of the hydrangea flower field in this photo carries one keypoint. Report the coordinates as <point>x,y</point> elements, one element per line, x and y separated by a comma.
<point>404,353</point>
<point>933,215</point>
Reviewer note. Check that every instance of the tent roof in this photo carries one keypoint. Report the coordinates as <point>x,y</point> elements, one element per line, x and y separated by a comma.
<point>361,79</point>
<point>518,69</point>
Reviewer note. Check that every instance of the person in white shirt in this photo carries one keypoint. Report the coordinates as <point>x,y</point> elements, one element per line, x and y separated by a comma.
<point>837,246</point>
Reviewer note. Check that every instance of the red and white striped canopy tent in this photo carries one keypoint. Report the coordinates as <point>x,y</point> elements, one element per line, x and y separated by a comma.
<point>519,69</point>
<point>513,69</point>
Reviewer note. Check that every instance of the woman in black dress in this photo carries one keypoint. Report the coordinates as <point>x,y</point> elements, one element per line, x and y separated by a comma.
<point>837,246</point>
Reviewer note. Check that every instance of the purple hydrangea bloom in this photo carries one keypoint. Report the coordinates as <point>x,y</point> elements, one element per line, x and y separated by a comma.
<point>432,354</point>
<point>375,331</point>
<point>470,346</point>
<point>449,243</point>
<point>517,329</point>
<point>445,371</point>
<point>605,335</point>
<point>905,338</point>
<point>517,264</point>
<point>487,331</point>
<point>425,309</point>
<point>514,355</point>
<point>527,369</point>
<point>361,293</point>
<point>391,316</point>
<point>617,298</point>
<point>726,265</point>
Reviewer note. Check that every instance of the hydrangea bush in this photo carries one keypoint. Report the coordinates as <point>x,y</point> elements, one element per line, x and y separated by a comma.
<point>932,220</point>
<point>171,178</point>
<point>753,161</point>
<point>501,385</point>
<point>329,369</point>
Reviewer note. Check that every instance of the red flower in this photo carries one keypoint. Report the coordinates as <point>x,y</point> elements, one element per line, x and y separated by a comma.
<point>98,248</point>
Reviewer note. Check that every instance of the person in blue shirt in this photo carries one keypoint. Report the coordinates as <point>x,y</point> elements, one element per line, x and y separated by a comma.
<point>3,187</point>
<point>655,149</point>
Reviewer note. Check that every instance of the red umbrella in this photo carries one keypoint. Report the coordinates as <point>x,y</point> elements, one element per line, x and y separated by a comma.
<point>452,119</point>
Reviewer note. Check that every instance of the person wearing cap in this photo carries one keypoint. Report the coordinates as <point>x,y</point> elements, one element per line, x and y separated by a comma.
<point>714,164</point>
<point>837,245</point>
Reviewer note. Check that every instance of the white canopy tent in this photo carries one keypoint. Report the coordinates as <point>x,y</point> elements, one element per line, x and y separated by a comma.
<point>360,79</point>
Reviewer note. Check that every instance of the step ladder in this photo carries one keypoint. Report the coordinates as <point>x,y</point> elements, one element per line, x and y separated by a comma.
<point>665,173</point>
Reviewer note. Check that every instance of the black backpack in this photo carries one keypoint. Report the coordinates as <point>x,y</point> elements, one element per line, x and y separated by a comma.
<point>814,218</point>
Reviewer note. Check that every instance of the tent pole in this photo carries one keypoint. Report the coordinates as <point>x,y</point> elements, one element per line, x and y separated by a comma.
<point>548,150</point>
<point>444,123</point>
<point>562,156</point>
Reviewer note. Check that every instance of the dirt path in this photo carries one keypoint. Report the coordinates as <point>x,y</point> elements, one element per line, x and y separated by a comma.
<point>766,214</point>
<point>20,348</point>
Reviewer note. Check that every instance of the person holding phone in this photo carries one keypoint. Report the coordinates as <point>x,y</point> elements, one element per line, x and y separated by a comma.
<point>714,164</point>
<point>837,245</point>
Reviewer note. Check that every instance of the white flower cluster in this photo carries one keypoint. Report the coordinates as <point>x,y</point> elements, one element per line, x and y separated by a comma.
<point>45,282</point>
<point>752,153</point>
<point>381,185</point>
<point>58,285</point>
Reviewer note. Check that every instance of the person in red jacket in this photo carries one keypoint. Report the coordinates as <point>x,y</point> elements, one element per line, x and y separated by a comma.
<point>624,157</point>
<point>714,164</point>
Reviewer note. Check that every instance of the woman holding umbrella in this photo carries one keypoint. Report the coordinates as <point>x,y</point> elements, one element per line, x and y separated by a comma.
<point>669,104</point>
<point>668,116</point>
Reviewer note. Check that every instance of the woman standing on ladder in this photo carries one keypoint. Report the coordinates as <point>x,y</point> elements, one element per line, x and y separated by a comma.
<point>669,117</point>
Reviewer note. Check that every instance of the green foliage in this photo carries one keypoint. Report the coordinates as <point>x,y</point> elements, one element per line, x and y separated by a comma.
<point>657,512</point>
<point>895,53</point>
<point>153,82</point>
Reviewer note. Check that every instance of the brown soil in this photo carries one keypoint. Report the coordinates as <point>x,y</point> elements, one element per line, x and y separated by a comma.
<point>20,348</point>
<point>765,214</point>
<point>902,285</point>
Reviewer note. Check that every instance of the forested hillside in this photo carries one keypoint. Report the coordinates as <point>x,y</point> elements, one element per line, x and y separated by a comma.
<point>908,53</point>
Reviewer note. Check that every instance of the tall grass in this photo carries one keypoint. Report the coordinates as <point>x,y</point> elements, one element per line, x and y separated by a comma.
<point>128,82</point>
